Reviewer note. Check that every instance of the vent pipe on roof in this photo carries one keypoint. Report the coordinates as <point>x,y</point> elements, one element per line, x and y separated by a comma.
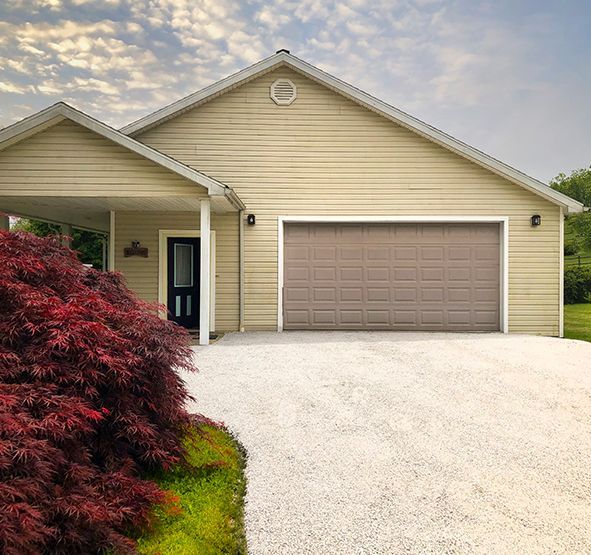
<point>282,50</point>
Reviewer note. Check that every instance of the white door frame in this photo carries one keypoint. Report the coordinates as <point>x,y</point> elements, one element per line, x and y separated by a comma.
<point>504,248</point>
<point>163,235</point>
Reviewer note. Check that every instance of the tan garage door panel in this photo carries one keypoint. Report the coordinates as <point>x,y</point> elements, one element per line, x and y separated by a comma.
<point>391,276</point>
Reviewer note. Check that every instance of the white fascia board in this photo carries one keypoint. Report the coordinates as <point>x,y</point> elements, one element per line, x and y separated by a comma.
<point>234,199</point>
<point>368,101</point>
<point>62,111</point>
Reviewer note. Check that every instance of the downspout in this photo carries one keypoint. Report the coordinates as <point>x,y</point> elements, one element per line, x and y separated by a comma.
<point>241,269</point>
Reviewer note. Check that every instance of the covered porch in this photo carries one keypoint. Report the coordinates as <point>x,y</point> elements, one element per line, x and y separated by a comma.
<point>160,218</point>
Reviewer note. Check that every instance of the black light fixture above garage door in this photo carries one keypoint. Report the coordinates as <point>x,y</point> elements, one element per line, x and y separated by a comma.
<point>536,220</point>
<point>250,219</point>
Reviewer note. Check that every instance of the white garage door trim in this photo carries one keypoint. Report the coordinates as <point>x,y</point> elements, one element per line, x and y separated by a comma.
<point>502,220</point>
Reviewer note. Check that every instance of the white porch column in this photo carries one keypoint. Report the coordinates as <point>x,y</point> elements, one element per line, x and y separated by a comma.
<point>204,285</point>
<point>67,231</point>
<point>4,222</point>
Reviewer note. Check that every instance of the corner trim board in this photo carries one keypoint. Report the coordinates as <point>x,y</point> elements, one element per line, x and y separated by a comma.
<point>561,277</point>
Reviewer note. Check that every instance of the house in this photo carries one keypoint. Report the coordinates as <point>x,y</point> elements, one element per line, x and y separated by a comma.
<point>284,198</point>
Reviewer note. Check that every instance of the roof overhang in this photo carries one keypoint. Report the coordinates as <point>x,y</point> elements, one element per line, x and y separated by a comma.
<point>58,112</point>
<point>92,212</point>
<point>283,58</point>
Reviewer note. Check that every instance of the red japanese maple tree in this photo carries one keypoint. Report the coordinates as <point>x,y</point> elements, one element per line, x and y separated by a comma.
<point>89,400</point>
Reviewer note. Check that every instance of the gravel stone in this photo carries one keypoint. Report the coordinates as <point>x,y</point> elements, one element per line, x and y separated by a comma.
<point>382,442</point>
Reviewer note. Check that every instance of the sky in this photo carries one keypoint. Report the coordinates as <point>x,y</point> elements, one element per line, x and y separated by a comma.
<point>509,77</point>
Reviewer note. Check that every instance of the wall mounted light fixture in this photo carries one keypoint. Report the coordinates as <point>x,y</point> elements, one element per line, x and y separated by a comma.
<point>536,220</point>
<point>250,219</point>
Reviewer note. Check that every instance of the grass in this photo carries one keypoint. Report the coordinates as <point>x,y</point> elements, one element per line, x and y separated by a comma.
<point>206,516</point>
<point>577,321</point>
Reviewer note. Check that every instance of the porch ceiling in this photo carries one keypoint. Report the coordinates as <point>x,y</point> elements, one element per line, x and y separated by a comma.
<point>93,212</point>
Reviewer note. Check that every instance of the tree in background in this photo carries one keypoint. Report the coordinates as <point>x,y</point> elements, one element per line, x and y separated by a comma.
<point>577,185</point>
<point>88,244</point>
<point>577,232</point>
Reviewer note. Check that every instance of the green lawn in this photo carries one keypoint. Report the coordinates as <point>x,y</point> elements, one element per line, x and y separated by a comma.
<point>577,321</point>
<point>208,516</point>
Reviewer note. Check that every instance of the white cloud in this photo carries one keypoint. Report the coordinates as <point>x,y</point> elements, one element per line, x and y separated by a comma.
<point>50,88</point>
<point>92,84</point>
<point>51,4</point>
<point>361,29</point>
<point>8,87</point>
<point>107,2</point>
<point>30,49</point>
<point>272,18</point>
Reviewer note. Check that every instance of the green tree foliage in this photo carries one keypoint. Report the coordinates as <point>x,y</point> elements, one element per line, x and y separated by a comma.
<point>577,285</point>
<point>577,232</point>
<point>577,185</point>
<point>88,244</point>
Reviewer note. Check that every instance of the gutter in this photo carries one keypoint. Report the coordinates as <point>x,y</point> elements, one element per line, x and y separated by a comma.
<point>234,198</point>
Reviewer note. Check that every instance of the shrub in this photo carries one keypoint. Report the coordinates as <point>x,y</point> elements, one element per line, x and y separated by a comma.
<point>571,247</point>
<point>89,400</point>
<point>577,285</point>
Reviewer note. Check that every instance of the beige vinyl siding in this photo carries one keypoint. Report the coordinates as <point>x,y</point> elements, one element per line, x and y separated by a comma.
<point>326,155</point>
<point>141,274</point>
<point>70,160</point>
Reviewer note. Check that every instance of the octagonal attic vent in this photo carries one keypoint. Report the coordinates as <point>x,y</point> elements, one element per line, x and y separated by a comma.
<point>283,91</point>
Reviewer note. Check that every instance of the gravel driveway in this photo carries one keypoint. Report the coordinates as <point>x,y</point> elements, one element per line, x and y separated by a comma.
<point>377,442</point>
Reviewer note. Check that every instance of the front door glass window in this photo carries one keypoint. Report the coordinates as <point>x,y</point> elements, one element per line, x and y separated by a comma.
<point>183,265</point>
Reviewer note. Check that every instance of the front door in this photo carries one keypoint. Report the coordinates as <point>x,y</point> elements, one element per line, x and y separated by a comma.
<point>183,281</point>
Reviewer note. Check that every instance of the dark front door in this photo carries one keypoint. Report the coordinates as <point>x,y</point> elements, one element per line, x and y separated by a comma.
<point>183,281</point>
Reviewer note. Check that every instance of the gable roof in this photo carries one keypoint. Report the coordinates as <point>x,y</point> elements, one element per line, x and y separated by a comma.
<point>284,58</point>
<point>58,112</point>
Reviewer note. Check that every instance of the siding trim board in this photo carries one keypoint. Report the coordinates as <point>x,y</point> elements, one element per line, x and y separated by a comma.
<point>561,277</point>
<point>503,221</point>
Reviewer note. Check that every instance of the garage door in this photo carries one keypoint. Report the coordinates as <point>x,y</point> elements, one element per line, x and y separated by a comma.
<point>391,276</point>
